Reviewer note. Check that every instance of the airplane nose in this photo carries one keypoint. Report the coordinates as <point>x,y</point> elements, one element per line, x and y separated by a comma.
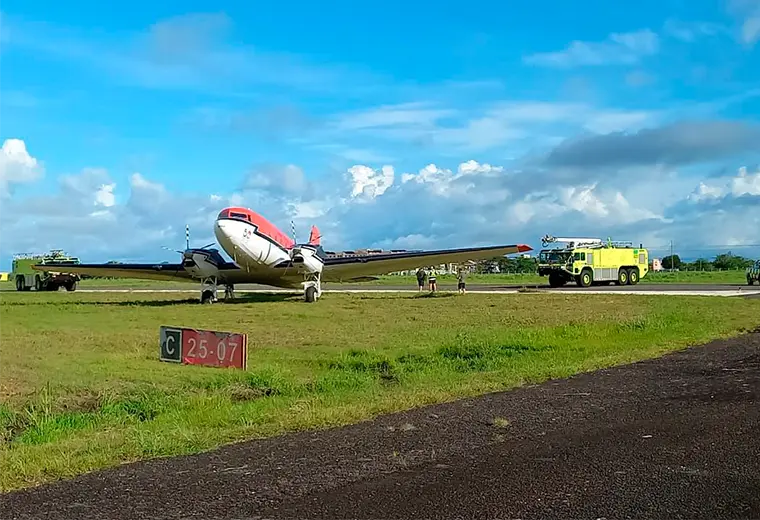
<point>220,229</point>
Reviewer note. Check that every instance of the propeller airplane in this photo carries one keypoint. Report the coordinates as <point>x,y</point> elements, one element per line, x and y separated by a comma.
<point>262,254</point>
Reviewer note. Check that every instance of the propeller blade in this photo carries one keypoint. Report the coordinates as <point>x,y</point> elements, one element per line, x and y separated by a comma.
<point>208,245</point>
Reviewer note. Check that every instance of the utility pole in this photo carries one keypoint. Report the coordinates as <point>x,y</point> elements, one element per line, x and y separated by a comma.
<point>672,260</point>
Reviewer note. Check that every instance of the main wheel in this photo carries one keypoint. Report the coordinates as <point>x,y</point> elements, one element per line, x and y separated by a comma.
<point>207,297</point>
<point>750,281</point>
<point>71,286</point>
<point>20,283</point>
<point>633,276</point>
<point>37,283</point>
<point>585,278</point>
<point>311,294</point>
<point>622,276</point>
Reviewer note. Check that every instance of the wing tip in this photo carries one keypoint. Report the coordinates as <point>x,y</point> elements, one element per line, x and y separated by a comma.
<point>523,248</point>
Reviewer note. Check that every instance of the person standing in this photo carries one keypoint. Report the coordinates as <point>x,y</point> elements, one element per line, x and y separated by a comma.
<point>432,280</point>
<point>421,275</point>
<point>461,281</point>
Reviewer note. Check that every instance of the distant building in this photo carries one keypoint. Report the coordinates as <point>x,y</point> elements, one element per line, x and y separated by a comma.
<point>657,264</point>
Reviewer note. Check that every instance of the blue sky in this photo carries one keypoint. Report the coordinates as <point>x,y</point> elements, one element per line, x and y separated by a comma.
<point>400,125</point>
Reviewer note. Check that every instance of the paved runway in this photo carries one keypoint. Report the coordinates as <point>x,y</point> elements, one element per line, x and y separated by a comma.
<point>675,437</point>
<point>667,289</point>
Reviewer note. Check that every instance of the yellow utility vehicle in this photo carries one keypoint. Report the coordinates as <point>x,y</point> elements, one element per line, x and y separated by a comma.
<point>591,261</point>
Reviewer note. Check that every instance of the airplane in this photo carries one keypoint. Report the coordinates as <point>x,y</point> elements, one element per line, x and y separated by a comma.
<point>262,254</point>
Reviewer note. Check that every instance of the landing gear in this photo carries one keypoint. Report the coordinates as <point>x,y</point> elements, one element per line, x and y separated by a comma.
<point>208,291</point>
<point>312,287</point>
<point>229,292</point>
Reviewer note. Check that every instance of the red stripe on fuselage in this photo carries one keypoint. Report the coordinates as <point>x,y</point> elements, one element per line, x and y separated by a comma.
<point>263,226</point>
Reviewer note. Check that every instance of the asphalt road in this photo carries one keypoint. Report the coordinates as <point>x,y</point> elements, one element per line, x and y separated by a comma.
<point>676,437</point>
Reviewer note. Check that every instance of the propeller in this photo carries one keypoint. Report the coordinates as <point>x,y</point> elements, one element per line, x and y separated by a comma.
<point>187,253</point>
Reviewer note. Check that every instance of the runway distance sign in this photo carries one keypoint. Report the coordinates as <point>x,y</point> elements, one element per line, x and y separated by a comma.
<point>203,347</point>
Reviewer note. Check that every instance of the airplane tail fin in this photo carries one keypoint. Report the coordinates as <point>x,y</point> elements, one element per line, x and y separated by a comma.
<point>314,236</point>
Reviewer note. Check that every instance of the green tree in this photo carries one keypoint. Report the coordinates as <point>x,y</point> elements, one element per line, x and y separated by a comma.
<point>671,262</point>
<point>731,261</point>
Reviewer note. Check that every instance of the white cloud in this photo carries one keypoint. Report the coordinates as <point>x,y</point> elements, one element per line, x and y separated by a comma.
<point>368,183</point>
<point>470,203</point>
<point>406,114</point>
<point>105,195</point>
<point>17,166</point>
<point>618,48</point>
<point>495,125</point>
<point>742,183</point>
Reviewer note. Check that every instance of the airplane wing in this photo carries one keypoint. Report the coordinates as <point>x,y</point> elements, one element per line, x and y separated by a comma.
<point>355,268</point>
<point>170,272</point>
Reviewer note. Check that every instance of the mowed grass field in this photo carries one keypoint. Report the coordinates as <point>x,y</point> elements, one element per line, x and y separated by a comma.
<point>684,277</point>
<point>82,387</point>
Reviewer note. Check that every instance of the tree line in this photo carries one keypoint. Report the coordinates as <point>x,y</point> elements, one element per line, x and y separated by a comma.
<point>723,262</point>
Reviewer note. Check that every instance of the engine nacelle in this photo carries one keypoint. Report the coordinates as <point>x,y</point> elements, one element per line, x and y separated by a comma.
<point>306,259</point>
<point>200,263</point>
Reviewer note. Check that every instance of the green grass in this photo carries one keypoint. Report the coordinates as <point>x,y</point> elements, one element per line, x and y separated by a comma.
<point>684,277</point>
<point>82,387</point>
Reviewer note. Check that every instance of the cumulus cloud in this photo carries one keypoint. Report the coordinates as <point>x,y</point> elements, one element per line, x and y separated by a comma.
<point>367,183</point>
<point>469,203</point>
<point>17,166</point>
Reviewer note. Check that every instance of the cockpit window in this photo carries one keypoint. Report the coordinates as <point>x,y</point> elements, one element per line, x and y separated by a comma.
<point>227,213</point>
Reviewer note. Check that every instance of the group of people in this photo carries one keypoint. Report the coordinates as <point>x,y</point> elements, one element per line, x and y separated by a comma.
<point>430,275</point>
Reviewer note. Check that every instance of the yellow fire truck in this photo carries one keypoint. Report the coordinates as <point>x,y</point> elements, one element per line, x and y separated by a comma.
<point>591,261</point>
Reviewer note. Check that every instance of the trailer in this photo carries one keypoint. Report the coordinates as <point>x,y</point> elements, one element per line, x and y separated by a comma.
<point>753,273</point>
<point>591,261</point>
<point>26,277</point>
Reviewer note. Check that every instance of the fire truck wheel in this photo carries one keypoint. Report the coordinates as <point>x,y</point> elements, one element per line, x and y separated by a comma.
<point>585,278</point>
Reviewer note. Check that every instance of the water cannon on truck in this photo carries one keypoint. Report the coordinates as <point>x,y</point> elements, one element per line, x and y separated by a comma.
<point>591,261</point>
<point>26,277</point>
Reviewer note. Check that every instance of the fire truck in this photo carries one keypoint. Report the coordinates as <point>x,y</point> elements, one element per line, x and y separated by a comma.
<point>26,277</point>
<point>591,261</point>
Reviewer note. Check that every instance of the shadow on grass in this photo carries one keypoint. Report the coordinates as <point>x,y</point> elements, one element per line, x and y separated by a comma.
<point>239,299</point>
<point>435,295</point>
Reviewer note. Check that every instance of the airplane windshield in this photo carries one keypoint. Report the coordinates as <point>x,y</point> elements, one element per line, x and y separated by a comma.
<point>227,213</point>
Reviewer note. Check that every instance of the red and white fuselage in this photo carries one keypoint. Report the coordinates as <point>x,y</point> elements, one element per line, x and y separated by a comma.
<point>258,246</point>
